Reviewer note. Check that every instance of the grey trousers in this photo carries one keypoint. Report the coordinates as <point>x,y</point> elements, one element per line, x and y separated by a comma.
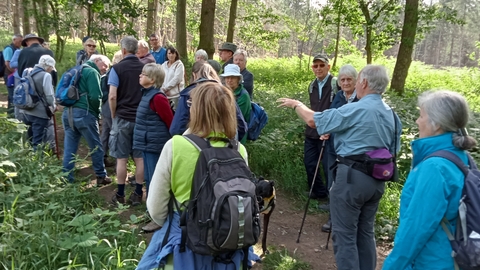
<point>353,207</point>
<point>106,126</point>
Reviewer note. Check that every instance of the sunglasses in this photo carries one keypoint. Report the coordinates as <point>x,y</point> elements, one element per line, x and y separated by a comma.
<point>318,65</point>
<point>91,45</point>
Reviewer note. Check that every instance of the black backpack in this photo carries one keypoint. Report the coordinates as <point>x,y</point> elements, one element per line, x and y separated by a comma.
<point>465,240</point>
<point>222,215</point>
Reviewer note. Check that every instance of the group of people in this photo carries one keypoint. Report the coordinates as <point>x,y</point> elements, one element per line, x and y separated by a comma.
<point>356,120</point>
<point>143,103</point>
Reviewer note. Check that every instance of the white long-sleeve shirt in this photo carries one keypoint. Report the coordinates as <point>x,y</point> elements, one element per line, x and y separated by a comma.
<point>174,79</point>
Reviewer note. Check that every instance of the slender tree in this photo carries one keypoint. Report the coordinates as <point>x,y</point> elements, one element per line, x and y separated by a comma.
<point>152,16</point>
<point>207,20</point>
<point>404,58</point>
<point>231,20</point>
<point>181,34</point>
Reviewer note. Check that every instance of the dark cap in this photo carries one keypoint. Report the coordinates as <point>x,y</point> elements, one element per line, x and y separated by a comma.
<point>321,57</point>
<point>228,46</point>
<point>215,65</point>
<point>30,36</point>
<point>84,39</point>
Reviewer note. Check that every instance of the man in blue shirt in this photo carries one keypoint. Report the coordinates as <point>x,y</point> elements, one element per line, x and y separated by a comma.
<point>7,55</point>
<point>158,52</point>
<point>359,127</point>
<point>320,97</point>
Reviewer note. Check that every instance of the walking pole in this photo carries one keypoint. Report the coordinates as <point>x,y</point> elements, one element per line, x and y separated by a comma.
<point>310,193</point>
<point>55,132</point>
<point>328,237</point>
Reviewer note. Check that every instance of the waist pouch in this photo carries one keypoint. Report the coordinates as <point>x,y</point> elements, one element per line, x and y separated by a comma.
<point>379,164</point>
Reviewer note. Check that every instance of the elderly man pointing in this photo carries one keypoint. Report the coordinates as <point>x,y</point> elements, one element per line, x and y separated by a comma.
<point>361,127</point>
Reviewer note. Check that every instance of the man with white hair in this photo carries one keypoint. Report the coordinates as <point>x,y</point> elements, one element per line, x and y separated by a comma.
<point>359,127</point>
<point>201,55</point>
<point>143,53</point>
<point>81,120</point>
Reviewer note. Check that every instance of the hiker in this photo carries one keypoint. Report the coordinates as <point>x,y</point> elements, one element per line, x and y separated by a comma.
<point>226,52</point>
<point>37,119</point>
<point>123,98</point>
<point>347,77</point>
<point>201,55</point>
<point>89,49</point>
<point>240,59</point>
<point>366,125</point>
<point>81,120</point>
<point>233,79</point>
<point>434,186</point>
<point>201,72</point>
<point>212,114</point>
<point>8,52</point>
<point>174,76</point>
<point>158,52</point>
<point>143,53</point>
<point>320,94</point>
<point>154,116</point>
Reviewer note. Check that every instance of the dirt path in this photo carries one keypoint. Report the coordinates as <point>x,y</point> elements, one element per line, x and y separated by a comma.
<point>284,222</point>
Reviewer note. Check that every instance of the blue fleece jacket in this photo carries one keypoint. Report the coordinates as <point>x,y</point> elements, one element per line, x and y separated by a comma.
<point>432,191</point>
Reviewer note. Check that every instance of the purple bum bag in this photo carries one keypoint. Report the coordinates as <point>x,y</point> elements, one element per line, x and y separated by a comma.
<point>378,163</point>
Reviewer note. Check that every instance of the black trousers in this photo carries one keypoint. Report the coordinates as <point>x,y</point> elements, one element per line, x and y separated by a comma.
<point>312,148</point>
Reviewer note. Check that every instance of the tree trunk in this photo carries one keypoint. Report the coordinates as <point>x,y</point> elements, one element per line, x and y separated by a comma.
<point>207,20</point>
<point>181,34</point>
<point>404,58</point>
<point>337,41</point>
<point>452,42</point>
<point>26,15</point>
<point>368,30</point>
<point>231,20</point>
<point>16,17</point>
<point>152,16</point>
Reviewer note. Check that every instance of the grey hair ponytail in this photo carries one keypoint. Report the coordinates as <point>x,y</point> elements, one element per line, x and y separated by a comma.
<point>448,111</point>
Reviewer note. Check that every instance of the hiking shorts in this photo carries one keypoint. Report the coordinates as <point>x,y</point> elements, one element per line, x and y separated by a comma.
<point>121,139</point>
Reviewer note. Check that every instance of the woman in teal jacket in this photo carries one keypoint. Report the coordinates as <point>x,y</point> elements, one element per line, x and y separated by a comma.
<point>433,187</point>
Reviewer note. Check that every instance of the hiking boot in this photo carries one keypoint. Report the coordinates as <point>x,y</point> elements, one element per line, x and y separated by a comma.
<point>327,227</point>
<point>135,199</point>
<point>131,180</point>
<point>116,199</point>
<point>108,163</point>
<point>151,227</point>
<point>103,180</point>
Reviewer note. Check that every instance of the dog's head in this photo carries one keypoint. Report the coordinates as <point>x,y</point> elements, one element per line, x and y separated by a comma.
<point>265,188</point>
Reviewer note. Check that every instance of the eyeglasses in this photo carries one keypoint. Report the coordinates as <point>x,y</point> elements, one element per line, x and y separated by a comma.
<point>91,45</point>
<point>318,65</point>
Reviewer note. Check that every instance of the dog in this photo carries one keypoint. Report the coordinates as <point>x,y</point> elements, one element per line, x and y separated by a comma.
<point>265,192</point>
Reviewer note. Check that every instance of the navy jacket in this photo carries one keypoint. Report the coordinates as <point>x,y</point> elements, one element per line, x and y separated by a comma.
<point>150,133</point>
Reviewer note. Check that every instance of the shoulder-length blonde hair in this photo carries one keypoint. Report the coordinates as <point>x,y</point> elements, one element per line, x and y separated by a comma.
<point>213,110</point>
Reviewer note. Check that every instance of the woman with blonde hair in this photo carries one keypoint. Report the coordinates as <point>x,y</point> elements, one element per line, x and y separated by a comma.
<point>201,73</point>
<point>212,118</point>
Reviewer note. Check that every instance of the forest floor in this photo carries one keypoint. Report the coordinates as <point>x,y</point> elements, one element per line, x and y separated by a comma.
<point>284,224</point>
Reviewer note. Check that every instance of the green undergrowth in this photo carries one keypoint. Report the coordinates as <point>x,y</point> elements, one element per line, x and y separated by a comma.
<point>278,154</point>
<point>281,259</point>
<point>47,224</point>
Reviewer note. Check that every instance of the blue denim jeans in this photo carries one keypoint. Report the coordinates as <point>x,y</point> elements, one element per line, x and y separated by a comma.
<point>37,129</point>
<point>149,162</point>
<point>84,125</point>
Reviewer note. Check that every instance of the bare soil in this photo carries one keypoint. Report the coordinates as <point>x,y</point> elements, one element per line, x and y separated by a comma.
<point>284,223</point>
